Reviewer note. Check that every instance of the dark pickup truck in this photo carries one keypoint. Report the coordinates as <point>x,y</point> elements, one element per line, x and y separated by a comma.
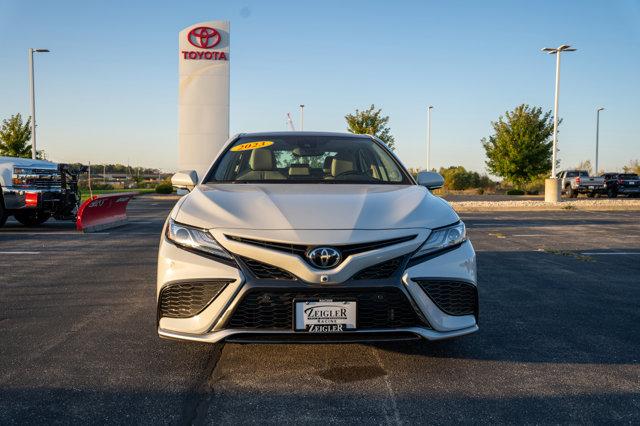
<point>621,184</point>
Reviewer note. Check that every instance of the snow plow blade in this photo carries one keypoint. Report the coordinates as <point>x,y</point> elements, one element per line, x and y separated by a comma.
<point>103,211</point>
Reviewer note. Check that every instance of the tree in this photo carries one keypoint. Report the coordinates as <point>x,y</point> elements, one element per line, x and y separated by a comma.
<point>585,165</point>
<point>371,122</point>
<point>14,137</point>
<point>633,167</point>
<point>521,146</point>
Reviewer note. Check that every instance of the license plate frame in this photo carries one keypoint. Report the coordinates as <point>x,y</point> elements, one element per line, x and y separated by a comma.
<point>304,323</point>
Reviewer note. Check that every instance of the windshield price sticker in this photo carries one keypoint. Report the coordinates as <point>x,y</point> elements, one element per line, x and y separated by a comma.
<point>325,316</point>
<point>251,145</point>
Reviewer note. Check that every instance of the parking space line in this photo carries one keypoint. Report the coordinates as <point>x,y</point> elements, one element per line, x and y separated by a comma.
<point>615,253</point>
<point>19,252</point>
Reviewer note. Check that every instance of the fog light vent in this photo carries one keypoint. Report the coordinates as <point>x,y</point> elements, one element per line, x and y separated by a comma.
<point>187,299</point>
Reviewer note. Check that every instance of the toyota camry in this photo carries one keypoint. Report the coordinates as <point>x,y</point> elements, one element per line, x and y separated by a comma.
<point>301,236</point>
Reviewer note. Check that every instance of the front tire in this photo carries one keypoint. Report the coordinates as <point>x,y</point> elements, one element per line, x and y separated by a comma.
<point>591,195</point>
<point>611,193</point>
<point>32,218</point>
<point>572,193</point>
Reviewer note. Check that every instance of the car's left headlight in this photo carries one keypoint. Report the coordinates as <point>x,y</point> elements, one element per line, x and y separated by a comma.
<point>443,238</point>
<point>195,239</point>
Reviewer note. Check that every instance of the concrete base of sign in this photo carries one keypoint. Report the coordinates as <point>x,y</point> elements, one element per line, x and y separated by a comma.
<point>552,190</point>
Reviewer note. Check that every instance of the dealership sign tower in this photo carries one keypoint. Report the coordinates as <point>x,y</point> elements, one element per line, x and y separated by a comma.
<point>203,98</point>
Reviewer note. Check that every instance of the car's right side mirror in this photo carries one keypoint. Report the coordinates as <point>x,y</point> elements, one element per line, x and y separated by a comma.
<point>185,179</point>
<point>431,180</point>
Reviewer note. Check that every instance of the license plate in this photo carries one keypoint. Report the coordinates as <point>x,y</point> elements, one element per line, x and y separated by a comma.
<point>631,183</point>
<point>591,187</point>
<point>325,315</point>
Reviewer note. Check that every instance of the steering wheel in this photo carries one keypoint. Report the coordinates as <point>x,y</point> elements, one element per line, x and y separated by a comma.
<point>349,173</point>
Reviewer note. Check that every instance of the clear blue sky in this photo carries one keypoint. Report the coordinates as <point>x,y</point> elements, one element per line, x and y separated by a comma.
<point>108,90</point>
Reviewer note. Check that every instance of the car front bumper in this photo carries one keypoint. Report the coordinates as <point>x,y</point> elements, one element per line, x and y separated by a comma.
<point>212,324</point>
<point>15,198</point>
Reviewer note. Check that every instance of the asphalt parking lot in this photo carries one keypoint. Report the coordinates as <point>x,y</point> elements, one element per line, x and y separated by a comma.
<point>559,339</point>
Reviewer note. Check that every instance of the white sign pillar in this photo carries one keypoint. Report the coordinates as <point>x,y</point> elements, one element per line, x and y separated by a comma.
<point>203,95</point>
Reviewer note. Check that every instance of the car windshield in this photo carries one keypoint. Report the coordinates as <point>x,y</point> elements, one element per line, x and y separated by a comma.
<point>307,159</point>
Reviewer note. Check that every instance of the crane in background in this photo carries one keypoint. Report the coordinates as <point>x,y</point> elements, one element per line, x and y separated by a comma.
<point>290,122</point>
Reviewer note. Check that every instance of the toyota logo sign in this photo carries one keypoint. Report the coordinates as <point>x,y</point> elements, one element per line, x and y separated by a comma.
<point>204,37</point>
<point>324,257</point>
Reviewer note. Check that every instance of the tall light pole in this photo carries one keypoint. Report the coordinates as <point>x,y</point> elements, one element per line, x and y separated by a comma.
<point>552,189</point>
<point>33,100</point>
<point>301,116</point>
<point>429,137</point>
<point>597,136</point>
<point>556,51</point>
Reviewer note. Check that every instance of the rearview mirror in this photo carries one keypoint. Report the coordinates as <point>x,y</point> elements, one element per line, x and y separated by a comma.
<point>185,179</point>
<point>431,180</point>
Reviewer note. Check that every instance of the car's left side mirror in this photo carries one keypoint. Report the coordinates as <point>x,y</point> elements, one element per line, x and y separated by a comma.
<point>185,179</point>
<point>431,180</point>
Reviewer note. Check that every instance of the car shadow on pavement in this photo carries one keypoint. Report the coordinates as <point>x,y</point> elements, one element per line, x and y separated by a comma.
<point>549,308</point>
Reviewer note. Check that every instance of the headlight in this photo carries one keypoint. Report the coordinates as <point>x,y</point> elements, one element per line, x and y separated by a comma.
<point>196,239</point>
<point>443,238</point>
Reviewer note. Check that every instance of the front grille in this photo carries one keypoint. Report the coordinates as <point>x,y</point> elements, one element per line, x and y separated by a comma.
<point>265,271</point>
<point>184,300</point>
<point>452,297</point>
<point>346,250</point>
<point>380,271</point>
<point>377,308</point>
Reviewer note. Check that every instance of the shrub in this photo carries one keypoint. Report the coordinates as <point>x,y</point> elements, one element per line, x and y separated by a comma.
<point>480,191</point>
<point>459,178</point>
<point>164,188</point>
<point>515,192</point>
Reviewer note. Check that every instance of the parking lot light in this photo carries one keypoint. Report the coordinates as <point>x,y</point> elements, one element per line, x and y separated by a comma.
<point>597,136</point>
<point>429,137</point>
<point>552,190</point>
<point>556,51</point>
<point>33,99</point>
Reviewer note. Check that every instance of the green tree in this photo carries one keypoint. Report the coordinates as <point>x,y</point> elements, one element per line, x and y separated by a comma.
<point>371,122</point>
<point>15,136</point>
<point>521,146</point>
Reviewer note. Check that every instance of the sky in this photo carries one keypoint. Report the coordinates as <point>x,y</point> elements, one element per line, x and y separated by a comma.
<point>108,90</point>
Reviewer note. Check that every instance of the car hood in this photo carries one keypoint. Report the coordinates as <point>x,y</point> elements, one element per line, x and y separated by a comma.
<point>313,206</point>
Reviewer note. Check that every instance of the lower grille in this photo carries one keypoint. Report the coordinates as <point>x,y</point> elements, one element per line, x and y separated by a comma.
<point>384,307</point>
<point>265,271</point>
<point>452,297</point>
<point>380,271</point>
<point>184,300</point>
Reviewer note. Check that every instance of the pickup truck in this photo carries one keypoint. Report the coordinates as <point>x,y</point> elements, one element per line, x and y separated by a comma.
<point>622,183</point>
<point>35,190</point>
<point>574,182</point>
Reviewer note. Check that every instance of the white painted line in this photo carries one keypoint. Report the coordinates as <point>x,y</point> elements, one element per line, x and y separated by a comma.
<point>612,253</point>
<point>19,252</point>
<point>52,233</point>
<point>530,235</point>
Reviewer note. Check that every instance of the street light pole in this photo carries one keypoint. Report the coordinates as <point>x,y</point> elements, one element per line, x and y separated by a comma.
<point>33,100</point>
<point>301,117</point>
<point>597,137</point>
<point>429,137</point>
<point>556,51</point>
<point>554,156</point>
<point>552,189</point>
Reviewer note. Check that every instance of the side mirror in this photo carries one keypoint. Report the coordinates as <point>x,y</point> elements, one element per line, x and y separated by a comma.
<point>431,180</point>
<point>185,179</point>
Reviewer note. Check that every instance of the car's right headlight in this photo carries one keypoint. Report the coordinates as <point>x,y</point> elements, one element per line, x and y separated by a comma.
<point>195,239</point>
<point>443,238</point>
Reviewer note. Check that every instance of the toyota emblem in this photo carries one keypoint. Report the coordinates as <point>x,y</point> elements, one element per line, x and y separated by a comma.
<point>324,257</point>
<point>204,37</point>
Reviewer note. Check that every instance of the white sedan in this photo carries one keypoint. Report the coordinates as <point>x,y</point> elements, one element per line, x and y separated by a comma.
<point>301,236</point>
